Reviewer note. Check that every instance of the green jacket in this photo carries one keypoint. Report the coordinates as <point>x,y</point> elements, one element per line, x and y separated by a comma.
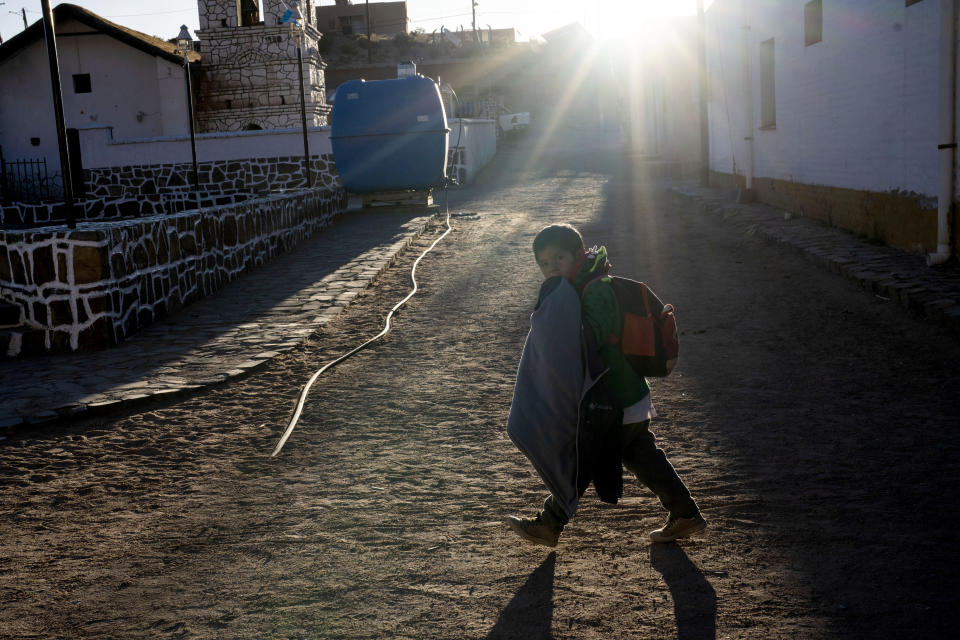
<point>601,316</point>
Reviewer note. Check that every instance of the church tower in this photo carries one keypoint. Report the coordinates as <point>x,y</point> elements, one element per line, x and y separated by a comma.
<point>249,77</point>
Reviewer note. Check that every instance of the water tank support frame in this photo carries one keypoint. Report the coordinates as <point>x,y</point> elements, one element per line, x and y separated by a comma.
<point>422,198</point>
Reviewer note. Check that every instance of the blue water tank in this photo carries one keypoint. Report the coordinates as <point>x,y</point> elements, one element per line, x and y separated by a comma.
<point>389,135</point>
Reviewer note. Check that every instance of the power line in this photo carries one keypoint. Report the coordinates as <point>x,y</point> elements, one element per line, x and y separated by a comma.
<point>486,13</point>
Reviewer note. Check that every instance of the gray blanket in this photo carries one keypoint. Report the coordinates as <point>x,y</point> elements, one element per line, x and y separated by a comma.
<point>544,416</point>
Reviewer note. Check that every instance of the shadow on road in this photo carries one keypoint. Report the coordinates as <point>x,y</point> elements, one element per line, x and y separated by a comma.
<point>529,615</point>
<point>252,296</point>
<point>694,599</point>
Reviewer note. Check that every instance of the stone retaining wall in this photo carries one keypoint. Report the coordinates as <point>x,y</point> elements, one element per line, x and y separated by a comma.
<point>29,214</point>
<point>135,191</point>
<point>96,285</point>
<point>218,177</point>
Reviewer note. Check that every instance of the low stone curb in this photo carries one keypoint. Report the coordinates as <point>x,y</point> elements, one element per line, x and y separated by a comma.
<point>324,301</point>
<point>893,274</point>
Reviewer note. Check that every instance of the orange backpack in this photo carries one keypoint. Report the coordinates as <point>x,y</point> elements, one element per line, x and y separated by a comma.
<point>649,340</point>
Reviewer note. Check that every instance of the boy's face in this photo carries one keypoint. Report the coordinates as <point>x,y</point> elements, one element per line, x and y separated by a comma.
<point>554,261</point>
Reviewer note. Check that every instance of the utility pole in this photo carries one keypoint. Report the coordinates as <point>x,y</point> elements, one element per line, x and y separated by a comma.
<point>369,42</point>
<point>24,12</point>
<point>51,41</point>
<point>704,126</point>
<point>474,9</point>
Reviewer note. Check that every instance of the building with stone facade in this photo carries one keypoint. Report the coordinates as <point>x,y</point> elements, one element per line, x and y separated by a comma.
<point>250,73</point>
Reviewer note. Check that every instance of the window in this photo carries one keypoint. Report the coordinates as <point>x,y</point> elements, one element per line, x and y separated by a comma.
<point>249,13</point>
<point>352,24</point>
<point>81,83</point>
<point>813,22</point>
<point>768,101</point>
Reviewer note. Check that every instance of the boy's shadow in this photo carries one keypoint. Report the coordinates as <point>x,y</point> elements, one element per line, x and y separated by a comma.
<point>694,600</point>
<point>529,615</point>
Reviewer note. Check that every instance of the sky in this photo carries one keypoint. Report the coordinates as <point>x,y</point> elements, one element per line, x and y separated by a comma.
<point>603,18</point>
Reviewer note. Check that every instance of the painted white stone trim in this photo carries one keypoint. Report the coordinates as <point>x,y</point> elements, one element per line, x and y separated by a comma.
<point>99,283</point>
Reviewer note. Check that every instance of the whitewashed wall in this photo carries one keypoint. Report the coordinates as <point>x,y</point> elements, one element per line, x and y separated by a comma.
<point>138,94</point>
<point>857,110</point>
<point>473,143</point>
<point>100,147</point>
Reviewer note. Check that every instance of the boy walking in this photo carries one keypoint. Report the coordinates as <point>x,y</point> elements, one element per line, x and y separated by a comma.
<point>550,386</point>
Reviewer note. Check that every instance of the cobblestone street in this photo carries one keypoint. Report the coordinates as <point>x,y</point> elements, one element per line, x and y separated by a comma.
<point>813,419</point>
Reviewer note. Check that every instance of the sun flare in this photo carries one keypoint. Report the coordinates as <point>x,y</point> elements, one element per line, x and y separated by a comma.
<point>626,19</point>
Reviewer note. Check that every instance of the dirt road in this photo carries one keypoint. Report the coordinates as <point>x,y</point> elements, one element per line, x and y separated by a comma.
<point>815,424</point>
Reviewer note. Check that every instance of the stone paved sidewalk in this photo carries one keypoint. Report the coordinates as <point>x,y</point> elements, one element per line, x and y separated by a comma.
<point>265,312</point>
<point>932,293</point>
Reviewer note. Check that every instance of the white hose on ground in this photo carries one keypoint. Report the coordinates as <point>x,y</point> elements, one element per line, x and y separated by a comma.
<point>386,328</point>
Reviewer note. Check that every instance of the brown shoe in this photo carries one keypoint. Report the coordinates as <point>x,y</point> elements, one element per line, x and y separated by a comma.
<point>678,527</point>
<point>533,530</point>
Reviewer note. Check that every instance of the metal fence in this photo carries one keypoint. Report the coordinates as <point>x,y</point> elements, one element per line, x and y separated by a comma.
<point>27,181</point>
<point>487,109</point>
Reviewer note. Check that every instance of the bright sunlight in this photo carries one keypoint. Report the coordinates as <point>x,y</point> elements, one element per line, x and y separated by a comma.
<point>620,19</point>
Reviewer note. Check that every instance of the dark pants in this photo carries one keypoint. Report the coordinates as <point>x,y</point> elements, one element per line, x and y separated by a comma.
<point>642,457</point>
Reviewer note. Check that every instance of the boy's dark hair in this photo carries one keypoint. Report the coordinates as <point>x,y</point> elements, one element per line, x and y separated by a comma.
<point>564,236</point>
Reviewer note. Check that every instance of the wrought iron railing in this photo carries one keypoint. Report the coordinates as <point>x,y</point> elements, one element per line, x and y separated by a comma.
<point>27,180</point>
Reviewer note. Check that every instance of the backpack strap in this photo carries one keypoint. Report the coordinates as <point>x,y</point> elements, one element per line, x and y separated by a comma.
<point>611,339</point>
<point>586,286</point>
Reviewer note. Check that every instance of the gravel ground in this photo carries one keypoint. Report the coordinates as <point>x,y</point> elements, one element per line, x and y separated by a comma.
<point>814,422</point>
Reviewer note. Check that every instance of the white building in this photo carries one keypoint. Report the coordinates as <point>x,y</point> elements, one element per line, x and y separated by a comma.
<point>836,108</point>
<point>110,75</point>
